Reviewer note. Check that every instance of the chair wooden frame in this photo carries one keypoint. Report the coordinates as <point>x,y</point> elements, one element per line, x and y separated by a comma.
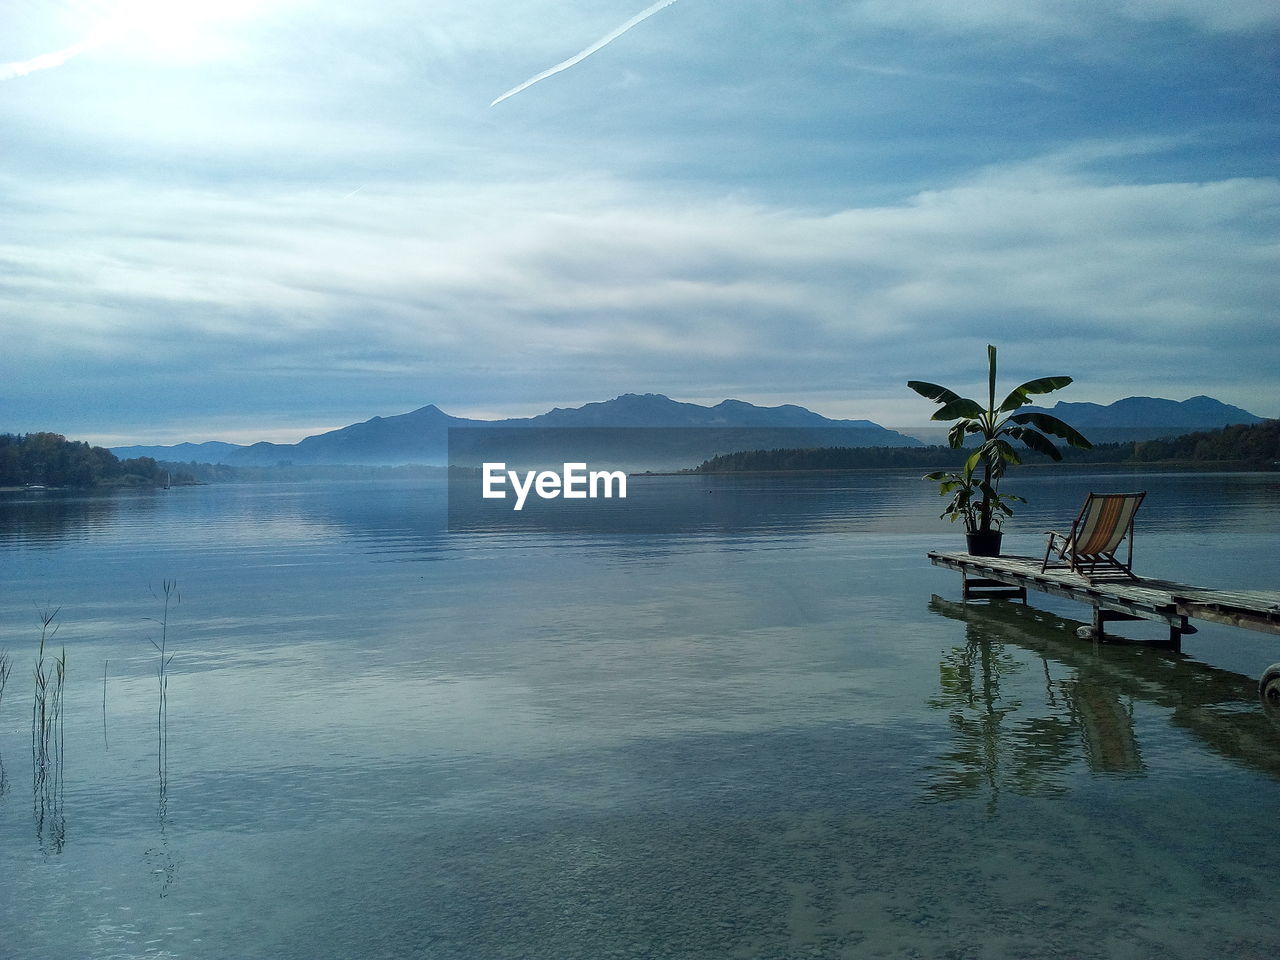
<point>1089,548</point>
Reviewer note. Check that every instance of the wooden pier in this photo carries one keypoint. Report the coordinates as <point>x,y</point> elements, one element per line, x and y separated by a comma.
<point>1117,598</point>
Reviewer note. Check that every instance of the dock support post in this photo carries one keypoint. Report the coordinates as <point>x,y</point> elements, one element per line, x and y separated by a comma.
<point>978,587</point>
<point>1102,616</point>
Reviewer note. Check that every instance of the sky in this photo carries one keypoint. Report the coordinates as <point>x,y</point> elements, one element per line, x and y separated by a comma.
<point>238,220</point>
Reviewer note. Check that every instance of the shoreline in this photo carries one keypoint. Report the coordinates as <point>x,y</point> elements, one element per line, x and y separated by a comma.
<point>1179,466</point>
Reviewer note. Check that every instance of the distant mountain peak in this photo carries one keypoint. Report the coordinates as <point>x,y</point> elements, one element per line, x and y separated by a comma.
<point>1147,417</point>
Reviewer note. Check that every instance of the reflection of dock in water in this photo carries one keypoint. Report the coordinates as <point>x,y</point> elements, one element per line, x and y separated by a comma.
<point>1141,598</point>
<point>1220,708</point>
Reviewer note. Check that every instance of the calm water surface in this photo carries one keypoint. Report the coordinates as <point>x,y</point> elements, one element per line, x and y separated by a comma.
<point>774,734</point>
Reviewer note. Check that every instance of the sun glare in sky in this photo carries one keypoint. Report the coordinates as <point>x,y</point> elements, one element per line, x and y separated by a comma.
<point>182,31</point>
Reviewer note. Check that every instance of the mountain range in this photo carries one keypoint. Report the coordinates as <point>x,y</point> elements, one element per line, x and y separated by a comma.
<point>421,436</point>
<point>1133,418</point>
<point>1197,413</point>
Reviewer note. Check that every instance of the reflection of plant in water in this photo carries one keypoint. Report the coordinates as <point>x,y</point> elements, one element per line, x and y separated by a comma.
<point>164,865</point>
<point>993,749</point>
<point>1003,742</point>
<point>46,803</point>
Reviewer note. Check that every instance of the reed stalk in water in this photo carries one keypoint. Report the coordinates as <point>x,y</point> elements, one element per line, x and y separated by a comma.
<point>105,744</point>
<point>169,588</point>
<point>6,667</point>
<point>46,709</point>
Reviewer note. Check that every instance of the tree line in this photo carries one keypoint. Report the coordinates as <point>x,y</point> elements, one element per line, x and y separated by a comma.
<point>1253,445</point>
<point>51,460</point>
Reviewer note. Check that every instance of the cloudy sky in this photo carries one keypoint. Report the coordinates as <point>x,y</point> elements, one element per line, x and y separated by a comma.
<point>227,219</point>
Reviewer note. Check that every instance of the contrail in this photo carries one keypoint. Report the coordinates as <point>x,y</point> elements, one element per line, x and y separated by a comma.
<point>46,61</point>
<point>579,57</point>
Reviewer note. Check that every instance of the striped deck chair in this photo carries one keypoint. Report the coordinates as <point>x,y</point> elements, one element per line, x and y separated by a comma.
<point>1105,520</point>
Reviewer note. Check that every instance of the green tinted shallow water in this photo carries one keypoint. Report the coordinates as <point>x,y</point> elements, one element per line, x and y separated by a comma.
<point>775,734</point>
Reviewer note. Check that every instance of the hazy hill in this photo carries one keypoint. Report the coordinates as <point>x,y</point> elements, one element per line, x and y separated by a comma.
<point>1203,412</point>
<point>656,410</point>
<point>1145,418</point>
<point>421,436</point>
<point>1130,419</point>
<point>211,451</point>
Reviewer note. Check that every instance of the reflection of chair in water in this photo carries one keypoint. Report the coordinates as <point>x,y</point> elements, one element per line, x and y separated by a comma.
<point>1105,520</point>
<point>1110,743</point>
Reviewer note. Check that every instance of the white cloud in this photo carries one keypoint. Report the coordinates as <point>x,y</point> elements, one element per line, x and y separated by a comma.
<point>1037,19</point>
<point>470,283</point>
<point>1235,16</point>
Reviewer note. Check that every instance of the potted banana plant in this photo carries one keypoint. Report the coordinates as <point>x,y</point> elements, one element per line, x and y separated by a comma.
<point>977,498</point>
<point>968,494</point>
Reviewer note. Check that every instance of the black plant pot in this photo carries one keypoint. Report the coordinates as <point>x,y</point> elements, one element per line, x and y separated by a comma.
<point>984,543</point>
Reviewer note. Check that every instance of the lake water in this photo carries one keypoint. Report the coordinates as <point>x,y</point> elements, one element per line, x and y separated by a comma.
<point>774,732</point>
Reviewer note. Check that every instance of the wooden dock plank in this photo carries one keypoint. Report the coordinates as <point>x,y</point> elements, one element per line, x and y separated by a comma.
<point>1146,597</point>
